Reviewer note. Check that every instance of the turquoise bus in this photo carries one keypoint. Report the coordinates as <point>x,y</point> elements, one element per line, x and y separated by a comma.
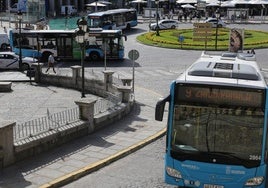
<point>41,43</point>
<point>217,124</point>
<point>113,19</point>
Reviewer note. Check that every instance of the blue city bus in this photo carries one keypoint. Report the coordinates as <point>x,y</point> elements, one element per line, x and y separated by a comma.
<point>40,44</point>
<point>113,19</point>
<point>217,124</point>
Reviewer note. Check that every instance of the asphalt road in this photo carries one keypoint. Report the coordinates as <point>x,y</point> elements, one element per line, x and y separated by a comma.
<point>154,70</point>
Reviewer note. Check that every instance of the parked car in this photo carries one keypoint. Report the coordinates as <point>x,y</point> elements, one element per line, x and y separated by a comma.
<point>214,21</point>
<point>9,60</point>
<point>164,24</point>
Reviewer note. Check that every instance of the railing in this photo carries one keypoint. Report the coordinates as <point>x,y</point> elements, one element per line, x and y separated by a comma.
<point>44,124</point>
<point>103,105</point>
<point>60,119</point>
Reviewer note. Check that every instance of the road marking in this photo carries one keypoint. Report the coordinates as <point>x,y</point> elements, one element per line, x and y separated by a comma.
<point>165,72</point>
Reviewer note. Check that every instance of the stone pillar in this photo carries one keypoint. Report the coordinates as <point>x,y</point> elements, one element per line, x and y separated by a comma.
<point>108,79</point>
<point>126,81</point>
<point>38,71</point>
<point>76,73</point>
<point>126,91</point>
<point>86,111</point>
<point>6,144</point>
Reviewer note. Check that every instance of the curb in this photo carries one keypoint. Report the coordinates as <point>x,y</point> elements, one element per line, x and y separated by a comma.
<point>98,165</point>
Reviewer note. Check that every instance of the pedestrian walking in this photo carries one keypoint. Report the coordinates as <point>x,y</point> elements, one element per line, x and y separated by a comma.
<point>51,62</point>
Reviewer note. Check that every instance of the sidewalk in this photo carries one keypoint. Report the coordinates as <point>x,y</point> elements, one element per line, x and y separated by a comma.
<point>82,156</point>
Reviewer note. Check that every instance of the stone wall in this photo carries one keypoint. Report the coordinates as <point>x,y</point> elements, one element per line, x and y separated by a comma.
<point>11,152</point>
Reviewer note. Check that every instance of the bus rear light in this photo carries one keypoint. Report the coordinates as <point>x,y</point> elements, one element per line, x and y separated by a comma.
<point>172,172</point>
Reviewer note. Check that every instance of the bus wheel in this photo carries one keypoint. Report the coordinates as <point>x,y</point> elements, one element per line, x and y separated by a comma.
<point>128,27</point>
<point>94,56</point>
<point>4,46</point>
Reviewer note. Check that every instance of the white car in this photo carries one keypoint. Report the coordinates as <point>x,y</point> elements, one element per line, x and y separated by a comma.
<point>9,60</point>
<point>165,24</point>
<point>213,21</point>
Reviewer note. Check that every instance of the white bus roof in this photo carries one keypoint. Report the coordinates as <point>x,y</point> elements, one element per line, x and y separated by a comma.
<point>239,69</point>
<point>92,30</point>
<point>112,11</point>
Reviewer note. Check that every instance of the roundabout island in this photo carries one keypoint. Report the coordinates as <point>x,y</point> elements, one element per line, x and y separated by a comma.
<point>172,39</point>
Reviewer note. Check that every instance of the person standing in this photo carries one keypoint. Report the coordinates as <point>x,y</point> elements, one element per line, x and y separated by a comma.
<point>51,62</point>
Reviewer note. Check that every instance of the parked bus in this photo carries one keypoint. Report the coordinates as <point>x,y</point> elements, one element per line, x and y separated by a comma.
<point>217,124</point>
<point>113,19</point>
<point>41,43</point>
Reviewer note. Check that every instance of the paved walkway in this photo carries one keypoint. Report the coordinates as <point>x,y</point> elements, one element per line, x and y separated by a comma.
<point>79,157</point>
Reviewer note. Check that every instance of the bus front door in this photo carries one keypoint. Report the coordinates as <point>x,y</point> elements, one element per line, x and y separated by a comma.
<point>112,52</point>
<point>65,48</point>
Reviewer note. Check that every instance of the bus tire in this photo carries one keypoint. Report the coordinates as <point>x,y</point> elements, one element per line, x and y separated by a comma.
<point>94,56</point>
<point>4,46</point>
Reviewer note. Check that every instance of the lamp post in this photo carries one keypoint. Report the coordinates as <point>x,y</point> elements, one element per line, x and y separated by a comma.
<point>157,17</point>
<point>81,37</point>
<point>20,55</point>
<point>217,13</point>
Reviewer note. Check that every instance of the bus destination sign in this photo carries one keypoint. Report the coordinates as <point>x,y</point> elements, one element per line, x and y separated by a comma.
<point>220,96</point>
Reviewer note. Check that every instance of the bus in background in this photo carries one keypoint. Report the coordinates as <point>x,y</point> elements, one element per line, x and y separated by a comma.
<point>41,43</point>
<point>113,19</point>
<point>217,124</point>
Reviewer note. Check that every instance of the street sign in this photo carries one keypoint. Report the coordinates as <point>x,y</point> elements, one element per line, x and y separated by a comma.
<point>202,39</point>
<point>202,32</point>
<point>202,25</point>
<point>133,55</point>
<point>181,38</point>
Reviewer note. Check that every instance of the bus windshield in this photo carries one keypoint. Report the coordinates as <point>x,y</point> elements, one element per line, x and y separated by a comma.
<point>217,135</point>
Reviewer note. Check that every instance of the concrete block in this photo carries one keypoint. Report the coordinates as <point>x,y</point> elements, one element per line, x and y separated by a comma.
<point>5,86</point>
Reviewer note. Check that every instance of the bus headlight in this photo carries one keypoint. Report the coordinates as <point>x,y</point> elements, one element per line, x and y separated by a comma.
<point>174,173</point>
<point>254,181</point>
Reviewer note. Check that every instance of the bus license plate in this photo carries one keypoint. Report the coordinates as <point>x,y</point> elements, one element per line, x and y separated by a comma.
<point>213,186</point>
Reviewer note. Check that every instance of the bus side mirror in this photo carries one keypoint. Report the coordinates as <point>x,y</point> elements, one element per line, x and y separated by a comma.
<point>160,107</point>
